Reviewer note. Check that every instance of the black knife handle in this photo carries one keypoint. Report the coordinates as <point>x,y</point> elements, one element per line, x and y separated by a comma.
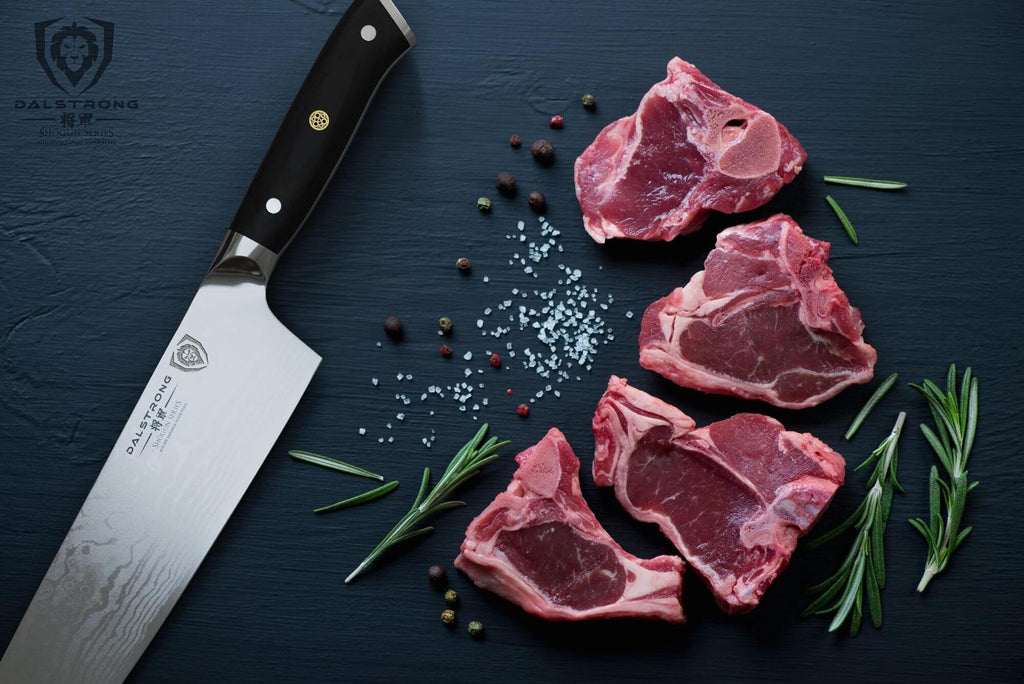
<point>368,40</point>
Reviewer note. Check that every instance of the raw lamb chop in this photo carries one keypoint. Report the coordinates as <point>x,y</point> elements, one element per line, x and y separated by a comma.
<point>690,148</point>
<point>539,545</point>
<point>764,320</point>
<point>733,496</point>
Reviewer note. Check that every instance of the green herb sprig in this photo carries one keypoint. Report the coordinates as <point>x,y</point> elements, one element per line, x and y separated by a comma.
<point>843,219</point>
<point>866,182</point>
<point>956,423</point>
<point>464,465</point>
<point>365,497</point>
<point>869,405</point>
<point>863,570</point>
<point>333,464</point>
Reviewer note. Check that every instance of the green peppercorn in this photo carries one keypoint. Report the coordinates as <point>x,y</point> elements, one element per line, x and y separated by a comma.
<point>484,205</point>
<point>537,201</point>
<point>437,575</point>
<point>462,264</point>
<point>476,629</point>
<point>506,184</point>
<point>451,597</point>
<point>543,151</point>
<point>444,324</point>
<point>448,617</point>
<point>588,102</point>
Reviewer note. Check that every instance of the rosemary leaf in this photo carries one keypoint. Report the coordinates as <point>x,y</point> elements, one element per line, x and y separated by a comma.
<point>843,219</point>
<point>863,570</point>
<point>467,462</point>
<point>870,404</point>
<point>865,182</point>
<point>956,424</point>
<point>333,464</point>
<point>359,498</point>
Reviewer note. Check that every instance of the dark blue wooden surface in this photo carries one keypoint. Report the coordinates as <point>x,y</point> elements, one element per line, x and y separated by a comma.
<point>101,247</point>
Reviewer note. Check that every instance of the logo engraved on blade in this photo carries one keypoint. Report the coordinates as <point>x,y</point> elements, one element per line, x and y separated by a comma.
<point>189,355</point>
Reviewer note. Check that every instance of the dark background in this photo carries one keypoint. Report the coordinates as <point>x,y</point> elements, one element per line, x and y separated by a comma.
<point>101,247</point>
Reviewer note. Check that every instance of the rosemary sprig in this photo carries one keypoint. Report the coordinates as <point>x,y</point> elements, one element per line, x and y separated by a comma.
<point>866,182</point>
<point>464,465</point>
<point>333,464</point>
<point>842,218</point>
<point>956,422</point>
<point>365,497</point>
<point>863,570</point>
<point>870,404</point>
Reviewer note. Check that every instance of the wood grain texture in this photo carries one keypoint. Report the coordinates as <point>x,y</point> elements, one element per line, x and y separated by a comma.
<point>102,246</point>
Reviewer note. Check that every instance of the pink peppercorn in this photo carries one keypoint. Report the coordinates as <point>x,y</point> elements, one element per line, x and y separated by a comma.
<point>522,410</point>
<point>557,121</point>
<point>495,360</point>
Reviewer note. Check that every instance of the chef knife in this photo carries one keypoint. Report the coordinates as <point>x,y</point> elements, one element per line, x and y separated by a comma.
<point>221,393</point>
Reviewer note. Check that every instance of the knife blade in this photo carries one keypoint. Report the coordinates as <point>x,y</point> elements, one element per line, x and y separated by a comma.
<point>221,394</point>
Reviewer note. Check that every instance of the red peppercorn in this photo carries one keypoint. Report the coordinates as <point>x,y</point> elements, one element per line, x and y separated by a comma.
<point>446,351</point>
<point>522,410</point>
<point>557,121</point>
<point>509,391</point>
<point>495,360</point>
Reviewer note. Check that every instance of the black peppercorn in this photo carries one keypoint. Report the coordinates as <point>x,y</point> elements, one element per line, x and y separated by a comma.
<point>437,575</point>
<point>484,205</point>
<point>588,102</point>
<point>543,151</point>
<point>537,201</point>
<point>462,264</point>
<point>515,141</point>
<point>393,327</point>
<point>506,184</point>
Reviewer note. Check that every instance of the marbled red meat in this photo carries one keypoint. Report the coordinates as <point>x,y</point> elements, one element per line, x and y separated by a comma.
<point>733,496</point>
<point>539,545</point>
<point>689,149</point>
<point>764,320</point>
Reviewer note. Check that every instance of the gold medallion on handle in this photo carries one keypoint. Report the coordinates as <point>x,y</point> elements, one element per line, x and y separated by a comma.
<point>319,120</point>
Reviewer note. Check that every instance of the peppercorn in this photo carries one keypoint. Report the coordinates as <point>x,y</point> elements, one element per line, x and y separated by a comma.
<point>445,324</point>
<point>506,184</point>
<point>537,201</point>
<point>495,360</point>
<point>484,205</point>
<point>393,327</point>
<point>476,629</point>
<point>451,597</point>
<point>448,617</point>
<point>588,102</point>
<point>522,410</point>
<point>557,121</point>
<point>515,141</point>
<point>446,351</point>
<point>462,264</point>
<point>437,575</point>
<point>543,151</point>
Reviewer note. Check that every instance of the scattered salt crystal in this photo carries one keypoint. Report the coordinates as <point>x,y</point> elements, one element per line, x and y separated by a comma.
<point>479,322</point>
<point>375,381</point>
<point>468,356</point>
<point>400,376</point>
<point>629,314</point>
<point>362,431</point>
<point>400,416</point>
<point>390,440</point>
<point>487,279</point>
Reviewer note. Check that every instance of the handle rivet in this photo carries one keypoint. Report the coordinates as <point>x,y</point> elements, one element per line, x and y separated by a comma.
<point>318,120</point>
<point>367,33</point>
<point>273,205</point>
